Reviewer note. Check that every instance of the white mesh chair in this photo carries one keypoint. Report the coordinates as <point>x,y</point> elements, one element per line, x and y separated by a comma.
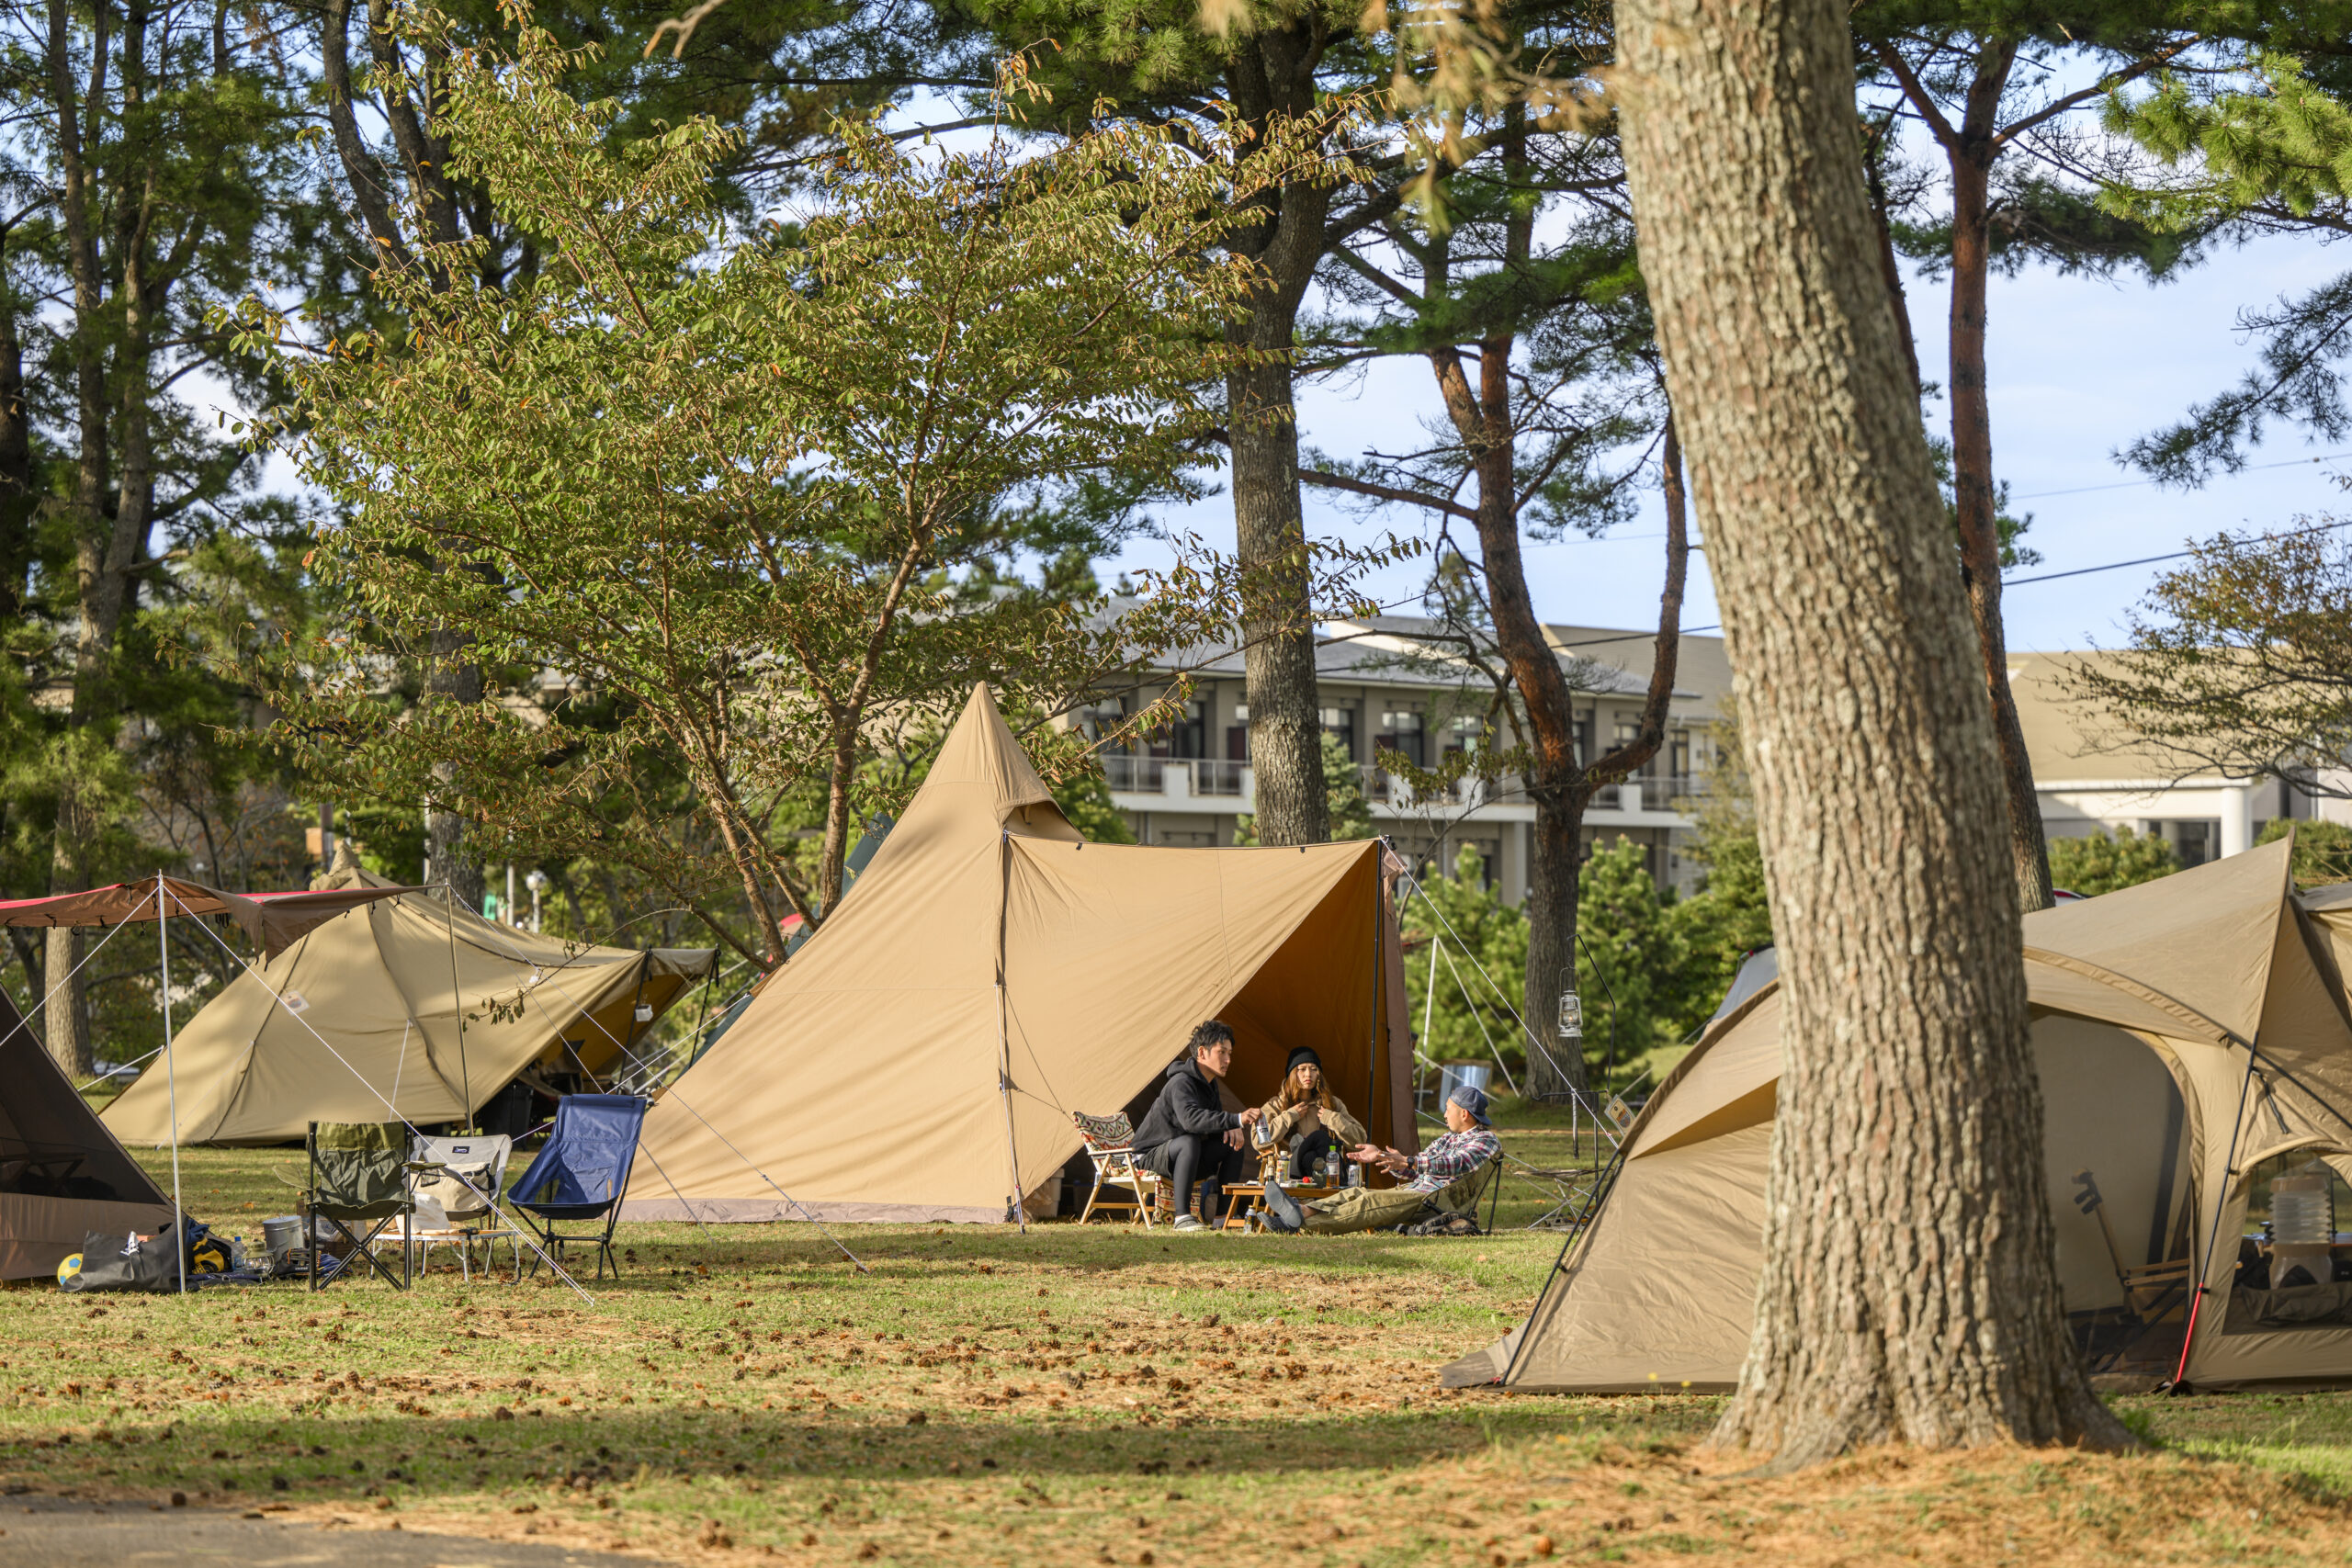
<point>456,1198</point>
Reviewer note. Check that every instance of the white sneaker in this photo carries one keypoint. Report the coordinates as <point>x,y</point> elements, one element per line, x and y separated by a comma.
<point>1189,1223</point>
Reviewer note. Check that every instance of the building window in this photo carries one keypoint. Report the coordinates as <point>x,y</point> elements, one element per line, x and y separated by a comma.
<point>1584,741</point>
<point>1465,736</point>
<point>1339,723</point>
<point>1681,742</point>
<point>1237,735</point>
<point>1401,731</point>
<point>1103,716</point>
<point>1187,737</point>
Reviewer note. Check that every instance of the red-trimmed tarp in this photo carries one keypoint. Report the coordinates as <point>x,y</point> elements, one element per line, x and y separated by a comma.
<point>275,921</point>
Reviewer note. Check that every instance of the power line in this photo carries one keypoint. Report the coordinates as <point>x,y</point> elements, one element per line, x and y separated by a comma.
<point>2175,555</point>
<point>2131,484</point>
<point>2006,582</point>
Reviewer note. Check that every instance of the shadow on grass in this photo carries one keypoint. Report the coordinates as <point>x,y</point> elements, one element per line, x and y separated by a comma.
<point>1067,1247</point>
<point>320,1459</point>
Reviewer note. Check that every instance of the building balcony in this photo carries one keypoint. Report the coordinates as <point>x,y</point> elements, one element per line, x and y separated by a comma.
<point>1181,777</point>
<point>1219,778</point>
<point>1134,775</point>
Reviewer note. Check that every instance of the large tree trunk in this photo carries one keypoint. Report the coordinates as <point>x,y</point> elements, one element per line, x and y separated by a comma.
<point>1909,1290</point>
<point>1278,660</point>
<point>1970,159</point>
<point>1556,777</point>
<point>1270,78</point>
<point>450,857</point>
<point>19,504</point>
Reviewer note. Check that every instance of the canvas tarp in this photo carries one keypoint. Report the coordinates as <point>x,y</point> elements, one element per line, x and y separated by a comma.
<point>271,921</point>
<point>2184,1031</point>
<point>883,1074</point>
<point>63,1175</point>
<point>405,1007</point>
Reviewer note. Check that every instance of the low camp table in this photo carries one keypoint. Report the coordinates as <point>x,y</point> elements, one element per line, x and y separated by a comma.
<point>1253,1194</point>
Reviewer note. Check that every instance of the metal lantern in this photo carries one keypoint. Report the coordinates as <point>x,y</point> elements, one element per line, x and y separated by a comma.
<point>1571,1016</point>
<point>644,1012</point>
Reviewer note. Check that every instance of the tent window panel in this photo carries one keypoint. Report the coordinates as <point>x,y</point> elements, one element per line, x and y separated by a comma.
<point>2294,1266</point>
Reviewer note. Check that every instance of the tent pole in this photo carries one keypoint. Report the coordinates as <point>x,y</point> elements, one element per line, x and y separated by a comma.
<point>1003,1029</point>
<point>2198,1287</point>
<point>1372,1066</point>
<point>171,1080</point>
<point>465,1077</point>
<point>1429,995</point>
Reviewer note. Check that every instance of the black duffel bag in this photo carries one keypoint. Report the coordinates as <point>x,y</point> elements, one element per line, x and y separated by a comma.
<point>117,1263</point>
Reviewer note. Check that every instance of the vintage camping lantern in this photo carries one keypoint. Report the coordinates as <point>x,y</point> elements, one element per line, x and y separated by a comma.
<point>1571,1016</point>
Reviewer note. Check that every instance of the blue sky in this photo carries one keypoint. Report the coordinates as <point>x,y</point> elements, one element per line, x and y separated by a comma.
<point>2078,367</point>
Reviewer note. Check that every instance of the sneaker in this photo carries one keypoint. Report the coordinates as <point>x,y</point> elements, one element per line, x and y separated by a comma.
<point>1189,1223</point>
<point>1281,1212</point>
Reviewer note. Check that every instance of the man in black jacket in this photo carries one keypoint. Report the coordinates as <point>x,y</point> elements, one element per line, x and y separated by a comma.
<point>1188,1137</point>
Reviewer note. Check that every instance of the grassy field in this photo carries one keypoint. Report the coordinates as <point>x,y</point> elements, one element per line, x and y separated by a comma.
<point>1103,1395</point>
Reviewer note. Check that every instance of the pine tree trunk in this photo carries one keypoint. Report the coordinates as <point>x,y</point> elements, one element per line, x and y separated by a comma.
<point>1272,78</point>
<point>1971,463</point>
<point>1278,660</point>
<point>1554,1067</point>
<point>66,1019</point>
<point>450,857</point>
<point>19,502</point>
<point>1909,1290</point>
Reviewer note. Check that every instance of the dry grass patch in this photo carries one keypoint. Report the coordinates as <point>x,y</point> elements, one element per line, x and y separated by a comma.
<point>1064,1398</point>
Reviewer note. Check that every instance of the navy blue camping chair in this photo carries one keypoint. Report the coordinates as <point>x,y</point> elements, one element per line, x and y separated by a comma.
<point>582,1173</point>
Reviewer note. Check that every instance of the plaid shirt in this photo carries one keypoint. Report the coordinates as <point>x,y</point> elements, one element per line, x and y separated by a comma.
<point>1456,1154</point>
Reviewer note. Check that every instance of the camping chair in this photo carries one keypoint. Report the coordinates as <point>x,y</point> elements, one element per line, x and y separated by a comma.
<point>582,1172</point>
<point>2153,1292</point>
<point>455,1184</point>
<point>1109,1145</point>
<point>1486,1187</point>
<point>358,1176</point>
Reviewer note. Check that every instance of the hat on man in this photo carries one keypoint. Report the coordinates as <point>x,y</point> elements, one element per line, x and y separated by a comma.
<point>1472,1100</point>
<point>1301,1054</point>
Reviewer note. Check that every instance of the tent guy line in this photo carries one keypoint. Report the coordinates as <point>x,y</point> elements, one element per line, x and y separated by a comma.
<point>25,1019</point>
<point>1421,891</point>
<point>260,979</point>
<point>555,980</point>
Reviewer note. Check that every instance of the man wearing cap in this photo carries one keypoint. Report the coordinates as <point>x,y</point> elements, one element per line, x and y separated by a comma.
<point>1445,1176</point>
<point>1305,1121</point>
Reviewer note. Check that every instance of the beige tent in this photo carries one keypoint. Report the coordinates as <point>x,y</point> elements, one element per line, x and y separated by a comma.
<point>406,1002</point>
<point>63,1176</point>
<point>886,1074</point>
<point>2189,1033</point>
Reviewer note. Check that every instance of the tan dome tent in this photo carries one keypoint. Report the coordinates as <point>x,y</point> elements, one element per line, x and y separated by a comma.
<point>2192,1045</point>
<point>884,1074</point>
<point>406,1000</point>
<point>62,1174</point>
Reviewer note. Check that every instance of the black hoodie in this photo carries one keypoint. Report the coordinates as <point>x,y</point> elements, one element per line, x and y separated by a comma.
<point>1187,1107</point>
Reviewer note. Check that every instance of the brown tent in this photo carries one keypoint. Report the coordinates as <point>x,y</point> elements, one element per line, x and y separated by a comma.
<point>991,973</point>
<point>405,1002</point>
<point>62,1174</point>
<point>2192,1043</point>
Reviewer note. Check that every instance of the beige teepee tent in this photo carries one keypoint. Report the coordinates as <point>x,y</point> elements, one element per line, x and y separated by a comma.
<point>886,1074</point>
<point>2190,1033</point>
<point>407,1007</point>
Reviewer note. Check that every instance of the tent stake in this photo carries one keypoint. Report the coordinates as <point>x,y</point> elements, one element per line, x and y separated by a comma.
<point>171,1080</point>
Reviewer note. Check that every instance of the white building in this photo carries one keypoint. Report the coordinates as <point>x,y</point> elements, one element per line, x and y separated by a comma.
<point>2092,774</point>
<point>1386,682</point>
<point>1390,682</point>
